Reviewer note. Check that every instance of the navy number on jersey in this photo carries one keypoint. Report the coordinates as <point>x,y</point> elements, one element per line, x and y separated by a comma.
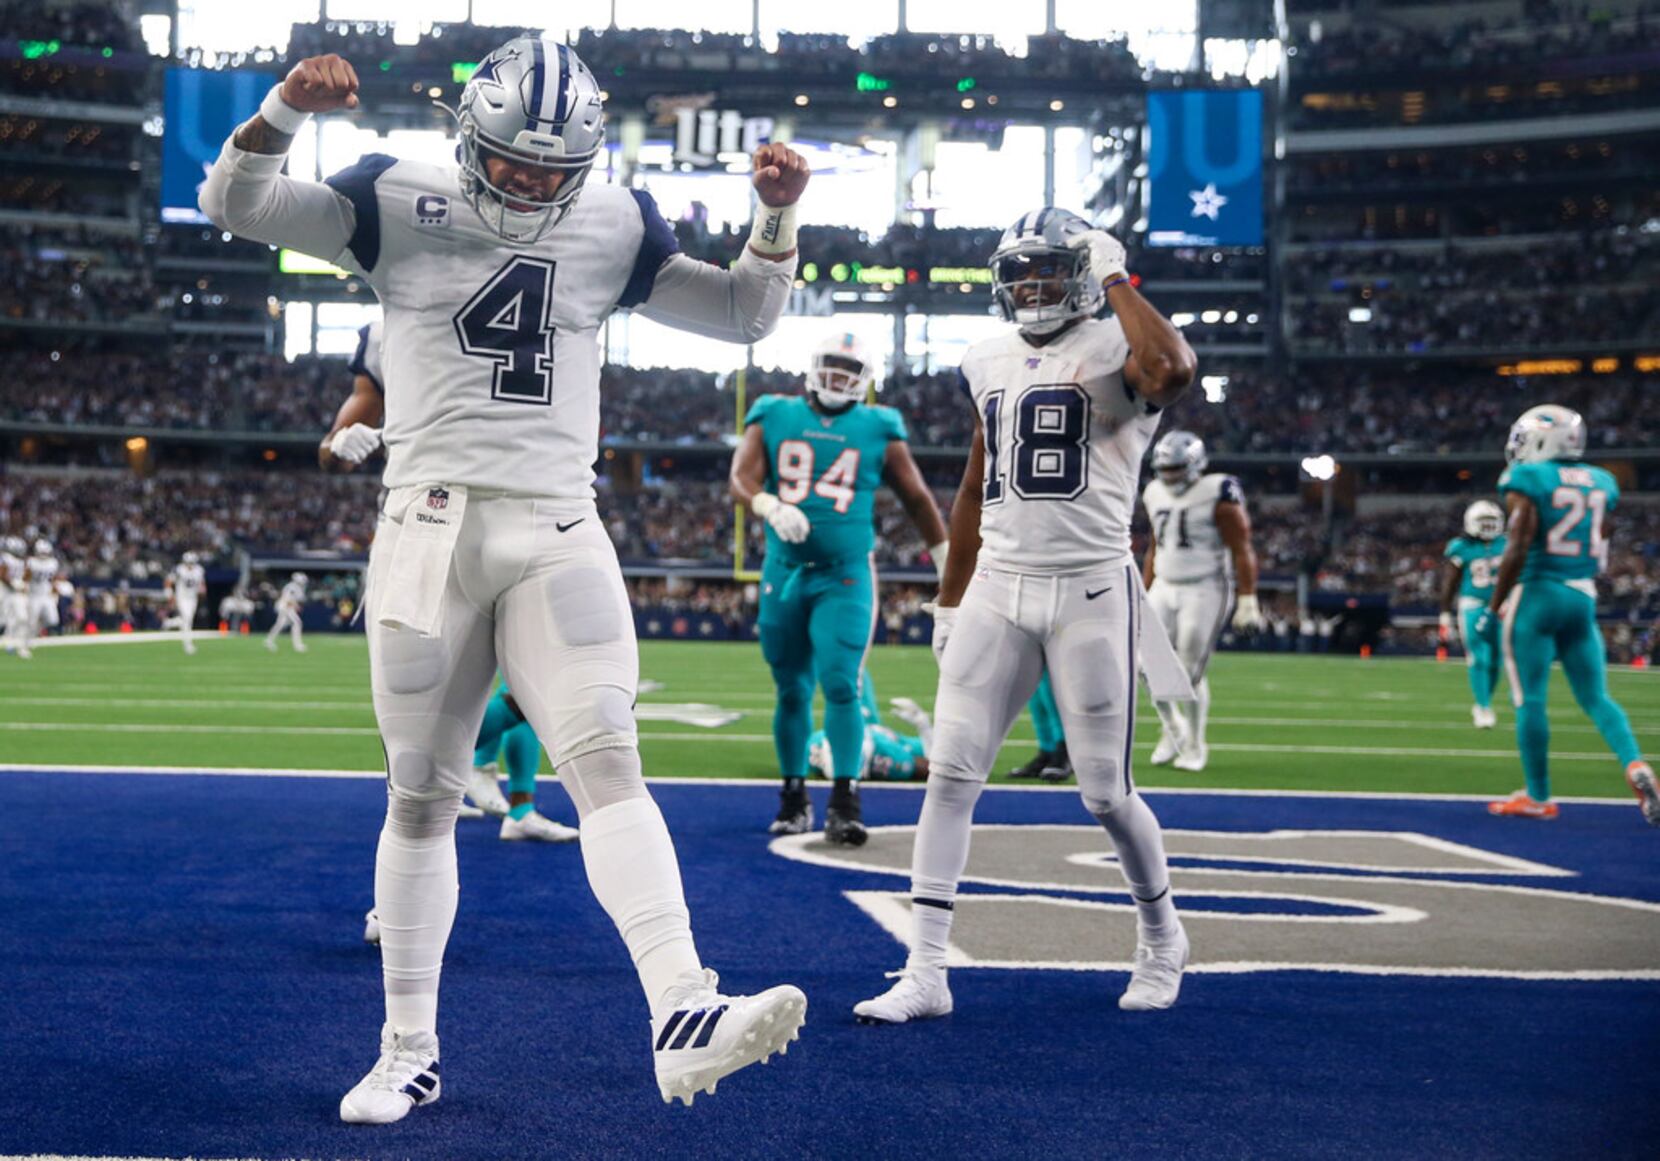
<point>1161,521</point>
<point>507,322</point>
<point>1050,450</point>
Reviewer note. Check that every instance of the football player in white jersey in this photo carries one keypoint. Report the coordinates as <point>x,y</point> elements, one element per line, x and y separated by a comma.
<point>185,585</point>
<point>1040,573</point>
<point>42,568</point>
<point>1199,554</point>
<point>496,276</point>
<point>290,603</point>
<point>14,595</point>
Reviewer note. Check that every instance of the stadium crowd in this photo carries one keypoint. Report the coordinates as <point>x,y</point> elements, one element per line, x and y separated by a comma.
<point>1480,319</point>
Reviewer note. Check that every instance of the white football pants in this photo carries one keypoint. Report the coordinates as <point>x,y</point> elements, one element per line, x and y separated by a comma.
<point>287,618</point>
<point>1193,615</point>
<point>534,587</point>
<point>43,612</point>
<point>14,611</point>
<point>187,617</point>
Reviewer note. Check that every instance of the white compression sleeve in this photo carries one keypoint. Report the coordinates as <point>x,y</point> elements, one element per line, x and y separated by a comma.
<point>740,305</point>
<point>246,194</point>
<point>942,835</point>
<point>1139,842</point>
<point>416,891</point>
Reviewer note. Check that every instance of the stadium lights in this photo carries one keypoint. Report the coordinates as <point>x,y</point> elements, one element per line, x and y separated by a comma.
<point>1321,467</point>
<point>890,102</point>
<point>1360,314</point>
<point>137,444</point>
<point>968,102</point>
<point>802,98</point>
<point>1056,106</point>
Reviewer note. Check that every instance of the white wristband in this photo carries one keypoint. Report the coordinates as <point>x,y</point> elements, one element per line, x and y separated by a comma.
<point>280,115</point>
<point>763,503</point>
<point>773,233</point>
<point>937,553</point>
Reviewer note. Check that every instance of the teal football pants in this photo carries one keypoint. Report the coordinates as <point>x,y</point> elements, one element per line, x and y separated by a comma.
<point>815,625</point>
<point>1548,621</point>
<point>1481,659</point>
<point>1046,718</point>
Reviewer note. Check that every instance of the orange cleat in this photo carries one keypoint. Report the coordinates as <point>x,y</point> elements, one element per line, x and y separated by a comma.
<point>1640,776</point>
<point>1519,805</point>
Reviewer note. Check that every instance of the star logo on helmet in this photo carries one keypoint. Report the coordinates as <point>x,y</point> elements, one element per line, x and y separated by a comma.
<point>487,67</point>
<point>1207,203</point>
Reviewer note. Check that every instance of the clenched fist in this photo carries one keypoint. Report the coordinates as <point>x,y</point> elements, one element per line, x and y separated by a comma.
<point>780,175</point>
<point>321,84</point>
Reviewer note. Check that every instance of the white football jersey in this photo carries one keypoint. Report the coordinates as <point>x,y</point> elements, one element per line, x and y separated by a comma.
<point>489,352</point>
<point>1189,544</point>
<point>366,361</point>
<point>43,570</point>
<point>292,595</point>
<point>189,580</point>
<point>1065,436</point>
<point>11,570</point>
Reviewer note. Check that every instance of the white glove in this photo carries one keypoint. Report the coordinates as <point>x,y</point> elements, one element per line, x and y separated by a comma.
<point>356,443</point>
<point>1445,623</point>
<point>1106,254</point>
<point>1247,615</point>
<point>937,553</point>
<point>787,520</point>
<point>943,620</point>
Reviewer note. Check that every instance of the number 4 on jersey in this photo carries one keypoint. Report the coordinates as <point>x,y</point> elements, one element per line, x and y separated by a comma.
<point>508,322</point>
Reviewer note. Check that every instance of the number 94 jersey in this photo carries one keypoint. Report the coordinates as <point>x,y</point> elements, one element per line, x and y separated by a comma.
<point>1065,436</point>
<point>1188,544</point>
<point>829,466</point>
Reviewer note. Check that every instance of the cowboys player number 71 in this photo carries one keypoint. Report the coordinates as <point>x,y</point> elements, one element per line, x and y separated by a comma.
<point>496,275</point>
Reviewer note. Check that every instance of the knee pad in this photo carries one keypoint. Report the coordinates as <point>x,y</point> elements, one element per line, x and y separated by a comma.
<point>408,662</point>
<point>840,687</point>
<point>1101,784</point>
<point>604,723</point>
<point>427,755</point>
<point>421,818</point>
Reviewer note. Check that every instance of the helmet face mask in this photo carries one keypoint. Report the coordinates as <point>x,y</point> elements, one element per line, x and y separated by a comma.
<point>1039,279</point>
<point>531,103</point>
<point>1484,520</point>
<point>1179,459</point>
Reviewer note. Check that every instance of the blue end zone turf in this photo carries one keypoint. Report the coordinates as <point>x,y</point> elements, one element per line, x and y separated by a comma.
<point>181,972</point>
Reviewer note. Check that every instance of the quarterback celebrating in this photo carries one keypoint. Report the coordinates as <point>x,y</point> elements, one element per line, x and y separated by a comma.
<point>810,466</point>
<point>1040,574</point>
<point>496,276</point>
<point>1545,595</point>
<point>1199,551</point>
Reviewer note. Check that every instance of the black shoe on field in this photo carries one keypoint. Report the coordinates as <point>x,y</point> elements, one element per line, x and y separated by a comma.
<point>1059,768</point>
<point>844,824</point>
<point>1034,769</point>
<point>795,809</point>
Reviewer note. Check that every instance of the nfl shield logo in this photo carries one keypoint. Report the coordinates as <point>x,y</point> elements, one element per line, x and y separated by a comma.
<point>1033,361</point>
<point>438,499</point>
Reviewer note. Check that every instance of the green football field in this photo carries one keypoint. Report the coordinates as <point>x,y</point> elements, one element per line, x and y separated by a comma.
<point>1326,723</point>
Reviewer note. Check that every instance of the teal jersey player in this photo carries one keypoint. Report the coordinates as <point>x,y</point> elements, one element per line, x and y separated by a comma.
<point>1472,568</point>
<point>809,466</point>
<point>1560,517</point>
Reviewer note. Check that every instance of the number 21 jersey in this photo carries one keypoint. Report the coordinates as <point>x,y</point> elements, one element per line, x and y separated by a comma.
<point>1064,439</point>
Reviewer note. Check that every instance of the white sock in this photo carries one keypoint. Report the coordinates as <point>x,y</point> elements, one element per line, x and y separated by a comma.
<point>634,875</point>
<point>1139,841</point>
<point>1201,711</point>
<point>941,853</point>
<point>416,890</point>
<point>1170,719</point>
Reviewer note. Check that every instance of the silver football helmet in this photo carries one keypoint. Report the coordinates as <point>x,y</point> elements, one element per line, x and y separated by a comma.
<point>1035,260</point>
<point>299,576</point>
<point>43,547</point>
<point>531,101</point>
<point>17,546</point>
<point>191,558</point>
<point>1546,432</point>
<point>1179,460</point>
<point>1483,520</point>
<point>842,371</point>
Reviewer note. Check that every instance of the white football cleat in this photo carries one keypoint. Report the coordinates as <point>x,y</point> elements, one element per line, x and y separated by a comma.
<point>270,645</point>
<point>1640,777</point>
<point>1157,977</point>
<point>467,810</point>
<point>1192,759</point>
<point>189,649</point>
<point>1484,717</point>
<point>406,1075</point>
<point>1165,752</point>
<point>371,927</point>
<point>920,994</point>
<point>300,647</point>
<point>700,1036</point>
<point>537,828</point>
<point>484,792</point>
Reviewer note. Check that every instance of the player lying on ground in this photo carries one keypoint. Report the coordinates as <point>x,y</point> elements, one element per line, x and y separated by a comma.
<point>495,278</point>
<point>1560,523</point>
<point>889,756</point>
<point>1198,554</point>
<point>1040,575</point>
<point>1472,566</point>
<point>809,465</point>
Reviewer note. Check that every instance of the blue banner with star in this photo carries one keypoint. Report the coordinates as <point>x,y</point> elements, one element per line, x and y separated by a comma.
<point>1204,168</point>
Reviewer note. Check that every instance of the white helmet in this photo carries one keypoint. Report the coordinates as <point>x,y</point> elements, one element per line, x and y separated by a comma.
<point>842,371</point>
<point>1483,520</point>
<point>1179,460</point>
<point>299,576</point>
<point>191,558</point>
<point>1036,251</point>
<point>16,545</point>
<point>1547,432</point>
<point>531,101</point>
<point>43,547</point>
<point>819,758</point>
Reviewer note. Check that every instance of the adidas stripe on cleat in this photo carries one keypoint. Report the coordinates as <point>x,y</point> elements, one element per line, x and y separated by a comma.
<point>406,1075</point>
<point>700,1036</point>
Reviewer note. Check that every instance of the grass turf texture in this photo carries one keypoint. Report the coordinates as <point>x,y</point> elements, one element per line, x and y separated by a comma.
<point>1278,721</point>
